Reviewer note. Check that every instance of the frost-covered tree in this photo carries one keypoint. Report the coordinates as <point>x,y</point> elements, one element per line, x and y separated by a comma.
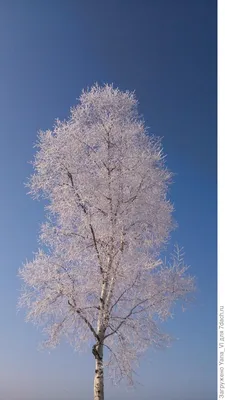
<point>98,278</point>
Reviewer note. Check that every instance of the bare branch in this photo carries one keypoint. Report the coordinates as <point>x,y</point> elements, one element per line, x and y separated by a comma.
<point>79,312</point>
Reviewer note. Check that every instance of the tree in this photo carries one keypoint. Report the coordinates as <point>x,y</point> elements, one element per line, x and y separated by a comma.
<point>98,278</point>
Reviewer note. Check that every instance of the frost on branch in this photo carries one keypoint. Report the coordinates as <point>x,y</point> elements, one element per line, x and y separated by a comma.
<point>101,279</point>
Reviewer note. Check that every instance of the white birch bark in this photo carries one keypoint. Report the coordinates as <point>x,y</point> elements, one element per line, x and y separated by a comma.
<point>99,373</point>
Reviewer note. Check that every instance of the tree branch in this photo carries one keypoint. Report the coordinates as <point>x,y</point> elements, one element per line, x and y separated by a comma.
<point>79,312</point>
<point>125,318</point>
<point>90,225</point>
<point>122,294</point>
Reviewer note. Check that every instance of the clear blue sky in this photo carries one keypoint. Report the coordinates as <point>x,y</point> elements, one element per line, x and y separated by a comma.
<point>166,51</point>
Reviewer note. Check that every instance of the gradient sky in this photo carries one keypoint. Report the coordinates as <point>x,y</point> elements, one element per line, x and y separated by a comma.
<point>166,51</point>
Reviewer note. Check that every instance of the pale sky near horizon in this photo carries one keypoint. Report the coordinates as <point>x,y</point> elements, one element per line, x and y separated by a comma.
<point>165,50</point>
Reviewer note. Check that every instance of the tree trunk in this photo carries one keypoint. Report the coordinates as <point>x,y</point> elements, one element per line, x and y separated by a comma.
<point>99,375</point>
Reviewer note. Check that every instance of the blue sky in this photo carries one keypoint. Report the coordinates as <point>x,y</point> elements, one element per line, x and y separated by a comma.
<point>166,51</point>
